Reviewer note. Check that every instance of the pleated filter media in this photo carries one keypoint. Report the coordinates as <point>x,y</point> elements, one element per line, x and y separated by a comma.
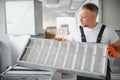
<point>86,59</point>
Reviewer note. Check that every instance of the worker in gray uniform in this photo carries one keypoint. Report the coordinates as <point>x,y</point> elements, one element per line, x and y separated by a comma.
<point>92,31</point>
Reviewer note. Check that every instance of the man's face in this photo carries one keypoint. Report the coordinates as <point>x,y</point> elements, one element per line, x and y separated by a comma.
<point>86,17</point>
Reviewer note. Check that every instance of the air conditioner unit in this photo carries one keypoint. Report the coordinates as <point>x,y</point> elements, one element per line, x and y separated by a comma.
<point>52,1</point>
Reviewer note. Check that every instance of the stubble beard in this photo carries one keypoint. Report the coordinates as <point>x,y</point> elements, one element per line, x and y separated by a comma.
<point>85,25</point>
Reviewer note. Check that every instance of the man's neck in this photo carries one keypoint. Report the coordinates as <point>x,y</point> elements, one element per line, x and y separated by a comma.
<point>93,25</point>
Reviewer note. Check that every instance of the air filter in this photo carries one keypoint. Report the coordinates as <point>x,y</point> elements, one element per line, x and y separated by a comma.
<point>85,59</point>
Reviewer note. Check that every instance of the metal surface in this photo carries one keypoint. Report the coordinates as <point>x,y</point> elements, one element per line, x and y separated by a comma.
<point>22,73</point>
<point>85,59</point>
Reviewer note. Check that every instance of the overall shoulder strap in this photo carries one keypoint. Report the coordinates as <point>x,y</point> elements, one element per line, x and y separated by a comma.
<point>100,34</point>
<point>83,38</point>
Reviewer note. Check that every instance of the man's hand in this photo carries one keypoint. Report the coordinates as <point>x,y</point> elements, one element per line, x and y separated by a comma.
<point>111,51</point>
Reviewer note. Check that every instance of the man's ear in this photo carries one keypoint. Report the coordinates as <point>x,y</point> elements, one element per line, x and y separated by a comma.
<point>94,17</point>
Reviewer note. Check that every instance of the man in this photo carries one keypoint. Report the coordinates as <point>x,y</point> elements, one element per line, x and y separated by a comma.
<point>92,31</point>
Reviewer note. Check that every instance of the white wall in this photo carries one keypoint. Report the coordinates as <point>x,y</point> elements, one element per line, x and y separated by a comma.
<point>4,39</point>
<point>111,13</point>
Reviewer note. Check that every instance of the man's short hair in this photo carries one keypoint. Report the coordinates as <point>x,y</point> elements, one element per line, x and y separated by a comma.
<point>91,6</point>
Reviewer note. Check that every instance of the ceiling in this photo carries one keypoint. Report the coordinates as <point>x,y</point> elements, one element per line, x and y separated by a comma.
<point>60,5</point>
<point>63,4</point>
<point>60,8</point>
